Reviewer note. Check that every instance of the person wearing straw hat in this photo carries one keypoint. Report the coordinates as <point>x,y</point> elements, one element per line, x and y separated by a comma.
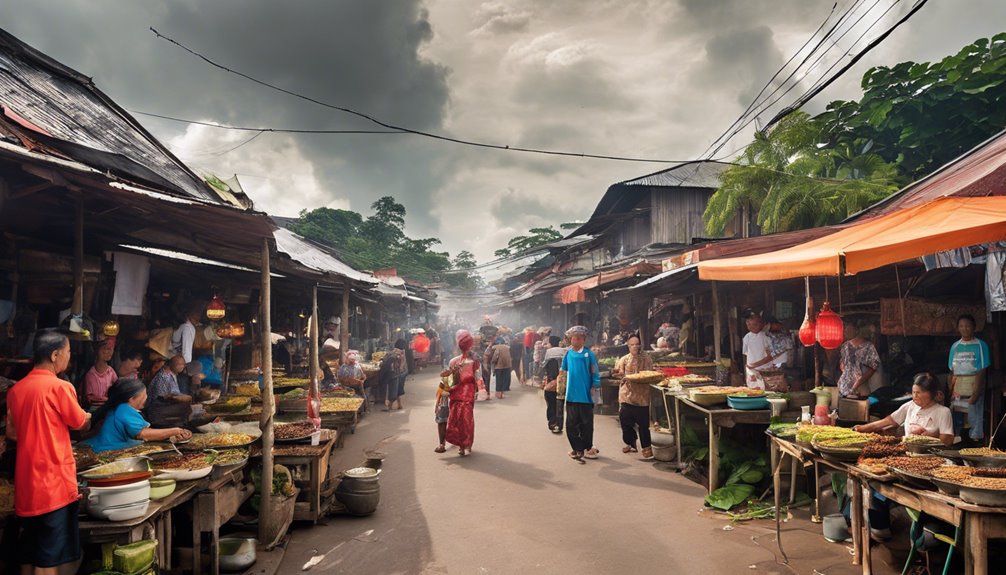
<point>583,380</point>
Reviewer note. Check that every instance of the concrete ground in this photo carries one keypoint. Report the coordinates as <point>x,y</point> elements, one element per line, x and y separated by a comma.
<point>518,504</point>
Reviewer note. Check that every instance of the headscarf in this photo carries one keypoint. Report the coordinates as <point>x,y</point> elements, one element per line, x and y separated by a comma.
<point>464,340</point>
<point>576,330</point>
<point>121,392</point>
<point>352,356</point>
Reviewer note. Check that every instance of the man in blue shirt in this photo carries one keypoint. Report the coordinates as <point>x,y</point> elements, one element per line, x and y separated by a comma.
<point>969,362</point>
<point>583,379</point>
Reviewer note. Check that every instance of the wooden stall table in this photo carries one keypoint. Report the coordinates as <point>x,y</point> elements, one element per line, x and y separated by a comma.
<point>716,418</point>
<point>214,505</point>
<point>343,421</point>
<point>156,523</point>
<point>314,497</point>
<point>980,523</point>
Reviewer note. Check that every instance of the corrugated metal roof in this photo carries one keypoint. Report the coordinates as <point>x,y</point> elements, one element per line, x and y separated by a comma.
<point>702,174</point>
<point>303,252</point>
<point>63,110</point>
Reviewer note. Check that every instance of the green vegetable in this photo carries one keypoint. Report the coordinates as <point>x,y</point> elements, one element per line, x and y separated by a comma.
<point>755,510</point>
<point>753,476</point>
<point>727,497</point>
<point>134,557</point>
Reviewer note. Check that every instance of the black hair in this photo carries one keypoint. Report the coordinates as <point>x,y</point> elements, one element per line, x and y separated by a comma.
<point>122,391</point>
<point>46,342</point>
<point>553,340</point>
<point>928,382</point>
<point>400,344</point>
<point>969,317</point>
<point>132,353</point>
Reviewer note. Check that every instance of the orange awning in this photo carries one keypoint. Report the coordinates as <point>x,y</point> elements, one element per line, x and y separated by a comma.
<point>943,224</point>
<point>576,292</point>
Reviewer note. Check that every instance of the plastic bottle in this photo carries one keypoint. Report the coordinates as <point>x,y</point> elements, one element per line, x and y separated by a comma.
<point>805,414</point>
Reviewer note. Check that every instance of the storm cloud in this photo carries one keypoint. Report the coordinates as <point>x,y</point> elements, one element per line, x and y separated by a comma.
<point>647,78</point>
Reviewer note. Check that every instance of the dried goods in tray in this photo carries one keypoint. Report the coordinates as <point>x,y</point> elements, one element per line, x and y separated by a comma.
<point>294,430</point>
<point>215,440</point>
<point>186,461</point>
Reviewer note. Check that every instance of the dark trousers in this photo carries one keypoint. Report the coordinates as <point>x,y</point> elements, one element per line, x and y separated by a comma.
<point>502,379</point>
<point>552,411</point>
<point>580,425</point>
<point>630,417</point>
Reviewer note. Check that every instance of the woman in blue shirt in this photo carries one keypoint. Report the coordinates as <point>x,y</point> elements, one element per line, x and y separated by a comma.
<point>122,424</point>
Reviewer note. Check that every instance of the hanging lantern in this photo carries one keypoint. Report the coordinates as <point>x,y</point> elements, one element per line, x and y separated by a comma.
<point>216,308</point>
<point>110,328</point>
<point>830,330</point>
<point>808,332</point>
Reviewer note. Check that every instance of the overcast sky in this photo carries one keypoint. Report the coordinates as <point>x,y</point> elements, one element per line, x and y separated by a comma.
<point>635,78</point>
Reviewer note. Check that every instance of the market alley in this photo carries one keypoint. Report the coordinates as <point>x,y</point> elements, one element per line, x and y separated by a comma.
<point>519,504</point>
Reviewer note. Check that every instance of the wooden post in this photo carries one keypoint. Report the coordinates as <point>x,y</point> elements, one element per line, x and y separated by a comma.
<point>315,345</point>
<point>265,320</point>
<point>77,308</point>
<point>717,323</point>
<point>344,331</point>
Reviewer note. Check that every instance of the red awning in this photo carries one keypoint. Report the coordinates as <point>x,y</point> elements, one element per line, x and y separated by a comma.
<point>577,292</point>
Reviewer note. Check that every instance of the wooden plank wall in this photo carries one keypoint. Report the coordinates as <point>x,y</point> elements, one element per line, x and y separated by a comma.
<point>676,214</point>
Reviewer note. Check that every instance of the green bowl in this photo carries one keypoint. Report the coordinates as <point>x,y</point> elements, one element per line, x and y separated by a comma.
<point>161,488</point>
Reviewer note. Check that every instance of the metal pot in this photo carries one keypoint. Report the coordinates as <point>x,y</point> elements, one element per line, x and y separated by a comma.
<point>359,490</point>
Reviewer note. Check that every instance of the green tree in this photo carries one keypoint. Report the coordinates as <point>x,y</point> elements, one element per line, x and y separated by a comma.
<point>534,238</point>
<point>327,225</point>
<point>387,225</point>
<point>786,180</point>
<point>922,115</point>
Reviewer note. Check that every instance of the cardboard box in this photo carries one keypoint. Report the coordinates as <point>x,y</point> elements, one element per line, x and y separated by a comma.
<point>856,410</point>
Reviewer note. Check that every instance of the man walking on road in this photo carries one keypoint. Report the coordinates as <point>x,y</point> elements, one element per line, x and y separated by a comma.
<point>583,379</point>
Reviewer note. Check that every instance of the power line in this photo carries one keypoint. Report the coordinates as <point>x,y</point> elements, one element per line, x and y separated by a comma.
<point>262,129</point>
<point>402,129</point>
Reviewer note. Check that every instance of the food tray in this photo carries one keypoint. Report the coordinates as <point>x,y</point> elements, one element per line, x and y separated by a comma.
<point>981,496</point>
<point>840,453</point>
<point>117,469</point>
<point>747,403</point>
<point>947,487</point>
<point>913,479</point>
<point>184,474</point>
<point>200,445</point>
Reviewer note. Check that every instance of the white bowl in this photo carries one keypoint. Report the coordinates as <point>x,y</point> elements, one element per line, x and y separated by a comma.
<point>184,474</point>
<point>99,498</point>
<point>120,512</point>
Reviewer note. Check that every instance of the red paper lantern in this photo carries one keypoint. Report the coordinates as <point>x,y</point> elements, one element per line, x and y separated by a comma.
<point>808,331</point>
<point>830,330</point>
<point>216,308</point>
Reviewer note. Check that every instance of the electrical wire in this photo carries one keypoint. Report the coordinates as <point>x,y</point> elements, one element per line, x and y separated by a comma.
<point>406,130</point>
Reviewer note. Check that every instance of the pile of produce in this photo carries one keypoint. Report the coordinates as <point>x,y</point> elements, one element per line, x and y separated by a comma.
<point>293,394</point>
<point>282,484</point>
<point>84,456</point>
<point>607,362</point>
<point>188,461</point>
<point>231,405</point>
<point>883,446</point>
<point>783,430</point>
<point>340,404</point>
<point>230,457</point>
<point>916,465</point>
<point>807,433</point>
<point>726,390</point>
<point>246,389</point>
<point>290,381</point>
<point>922,440</point>
<point>137,451</point>
<point>859,440</point>
<point>748,392</point>
<point>983,452</point>
<point>294,430</point>
<point>208,440</point>
<point>953,473</point>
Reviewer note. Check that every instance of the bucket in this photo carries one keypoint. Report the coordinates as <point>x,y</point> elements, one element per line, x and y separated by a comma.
<point>359,491</point>
<point>663,453</point>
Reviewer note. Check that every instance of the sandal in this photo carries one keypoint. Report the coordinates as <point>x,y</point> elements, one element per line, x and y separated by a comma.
<point>440,449</point>
<point>591,453</point>
<point>629,449</point>
<point>647,454</point>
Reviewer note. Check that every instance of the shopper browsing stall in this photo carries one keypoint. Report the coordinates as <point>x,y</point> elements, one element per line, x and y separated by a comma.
<point>350,374</point>
<point>859,360</point>
<point>41,410</point>
<point>634,399</point>
<point>969,363</point>
<point>122,424</point>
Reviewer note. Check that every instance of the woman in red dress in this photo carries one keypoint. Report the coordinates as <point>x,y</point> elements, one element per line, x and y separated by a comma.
<point>467,375</point>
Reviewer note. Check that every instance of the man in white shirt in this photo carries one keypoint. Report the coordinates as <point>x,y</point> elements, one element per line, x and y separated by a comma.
<point>184,337</point>
<point>756,351</point>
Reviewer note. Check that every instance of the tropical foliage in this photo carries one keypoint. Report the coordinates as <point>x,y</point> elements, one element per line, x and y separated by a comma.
<point>912,119</point>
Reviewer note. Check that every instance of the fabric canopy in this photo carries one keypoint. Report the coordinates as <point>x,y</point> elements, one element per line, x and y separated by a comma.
<point>576,292</point>
<point>943,224</point>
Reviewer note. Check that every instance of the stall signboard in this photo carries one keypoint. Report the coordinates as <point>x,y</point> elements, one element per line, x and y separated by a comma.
<point>923,317</point>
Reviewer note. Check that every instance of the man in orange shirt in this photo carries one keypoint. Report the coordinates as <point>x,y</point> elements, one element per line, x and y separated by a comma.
<point>41,409</point>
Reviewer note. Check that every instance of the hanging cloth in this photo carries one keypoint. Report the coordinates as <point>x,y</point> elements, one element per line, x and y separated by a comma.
<point>132,274</point>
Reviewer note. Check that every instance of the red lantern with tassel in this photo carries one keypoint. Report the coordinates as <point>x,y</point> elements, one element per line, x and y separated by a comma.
<point>808,329</point>
<point>830,330</point>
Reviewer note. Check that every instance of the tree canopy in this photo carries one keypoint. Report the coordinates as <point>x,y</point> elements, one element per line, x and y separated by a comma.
<point>912,118</point>
<point>535,237</point>
<point>379,242</point>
